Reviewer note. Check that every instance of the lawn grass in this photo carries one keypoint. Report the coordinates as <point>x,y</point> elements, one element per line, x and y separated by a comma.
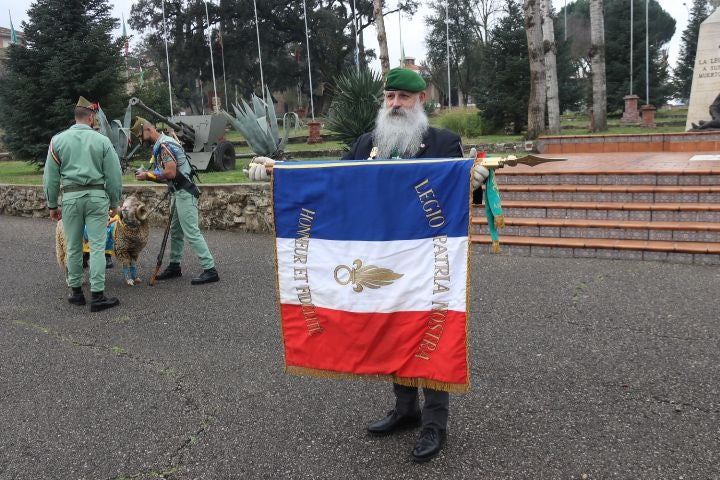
<point>23,173</point>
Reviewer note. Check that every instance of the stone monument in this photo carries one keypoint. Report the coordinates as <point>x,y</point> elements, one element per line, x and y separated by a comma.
<point>706,74</point>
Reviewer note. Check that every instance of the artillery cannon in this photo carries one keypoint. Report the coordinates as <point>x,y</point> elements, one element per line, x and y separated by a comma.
<point>202,137</point>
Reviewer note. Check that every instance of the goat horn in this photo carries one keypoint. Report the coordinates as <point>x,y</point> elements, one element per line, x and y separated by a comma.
<point>142,213</point>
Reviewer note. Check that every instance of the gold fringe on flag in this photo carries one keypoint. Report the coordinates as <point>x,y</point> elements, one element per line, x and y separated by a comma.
<point>495,247</point>
<point>408,382</point>
<point>500,221</point>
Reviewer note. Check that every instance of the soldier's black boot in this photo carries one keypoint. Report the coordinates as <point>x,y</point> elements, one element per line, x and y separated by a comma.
<point>100,302</point>
<point>172,271</point>
<point>77,297</point>
<point>207,276</point>
<point>108,261</point>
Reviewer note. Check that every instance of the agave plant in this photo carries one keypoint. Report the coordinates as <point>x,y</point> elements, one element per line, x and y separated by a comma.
<point>357,97</point>
<point>118,133</point>
<point>259,125</point>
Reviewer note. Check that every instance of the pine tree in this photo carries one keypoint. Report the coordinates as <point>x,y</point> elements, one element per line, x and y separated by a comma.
<point>69,52</point>
<point>502,91</point>
<point>682,75</point>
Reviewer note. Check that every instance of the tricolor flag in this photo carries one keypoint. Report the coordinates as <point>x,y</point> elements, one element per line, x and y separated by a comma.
<point>372,268</point>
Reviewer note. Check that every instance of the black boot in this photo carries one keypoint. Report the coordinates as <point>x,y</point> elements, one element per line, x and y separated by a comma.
<point>172,271</point>
<point>100,302</point>
<point>108,261</point>
<point>394,422</point>
<point>429,444</point>
<point>207,276</point>
<point>77,297</point>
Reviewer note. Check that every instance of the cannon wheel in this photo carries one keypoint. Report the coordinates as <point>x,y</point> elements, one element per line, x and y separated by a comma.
<point>223,157</point>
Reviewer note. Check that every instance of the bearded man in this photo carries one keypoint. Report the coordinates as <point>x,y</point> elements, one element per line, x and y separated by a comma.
<point>401,127</point>
<point>402,131</point>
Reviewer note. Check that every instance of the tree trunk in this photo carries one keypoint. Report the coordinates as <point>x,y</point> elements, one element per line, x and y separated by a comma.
<point>597,56</point>
<point>538,87</point>
<point>382,37</point>
<point>550,48</point>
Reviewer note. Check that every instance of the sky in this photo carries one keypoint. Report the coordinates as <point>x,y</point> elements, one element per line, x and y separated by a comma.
<point>413,29</point>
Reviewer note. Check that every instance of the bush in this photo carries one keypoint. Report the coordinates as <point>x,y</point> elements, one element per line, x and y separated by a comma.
<point>464,122</point>
<point>357,97</point>
<point>430,107</point>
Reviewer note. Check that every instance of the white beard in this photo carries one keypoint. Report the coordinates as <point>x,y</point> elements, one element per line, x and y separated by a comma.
<point>399,132</point>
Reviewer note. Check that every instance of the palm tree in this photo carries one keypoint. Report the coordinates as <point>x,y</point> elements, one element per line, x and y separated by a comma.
<point>382,37</point>
<point>538,87</point>
<point>553,100</point>
<point>597,57</point>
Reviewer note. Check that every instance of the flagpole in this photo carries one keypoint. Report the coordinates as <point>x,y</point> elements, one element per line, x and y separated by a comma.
<point>222,56</point>
<point>402,50</point>
<point>167,58</point>
<point>125,40</point>
<point>447,43</point>
<point>647,55</point>
<point>215,105</point>
<point>257,32</point>
<point>632,43</point>
<point>357,45</point>
<point>307,42</point>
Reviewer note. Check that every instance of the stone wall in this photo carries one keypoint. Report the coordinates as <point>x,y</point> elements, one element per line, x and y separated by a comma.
<point>245,206</point>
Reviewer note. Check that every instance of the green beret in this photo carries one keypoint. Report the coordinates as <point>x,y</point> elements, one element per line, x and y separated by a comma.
<point>404,79</point>
<point>137,127</point>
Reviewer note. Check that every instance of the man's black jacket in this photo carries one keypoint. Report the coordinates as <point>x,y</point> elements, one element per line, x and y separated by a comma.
<point>436,143</point>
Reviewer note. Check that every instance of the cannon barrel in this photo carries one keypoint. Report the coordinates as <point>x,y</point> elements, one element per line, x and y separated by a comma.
<point>181,128</point>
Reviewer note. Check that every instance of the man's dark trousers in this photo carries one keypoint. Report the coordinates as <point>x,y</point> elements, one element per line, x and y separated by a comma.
<point>434,410</point>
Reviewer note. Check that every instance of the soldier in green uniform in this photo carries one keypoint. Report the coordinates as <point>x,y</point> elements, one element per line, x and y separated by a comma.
<point>83,163</point>
<point>172,167</point>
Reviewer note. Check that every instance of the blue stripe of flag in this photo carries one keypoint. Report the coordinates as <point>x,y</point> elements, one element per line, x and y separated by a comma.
<point>366,201</point>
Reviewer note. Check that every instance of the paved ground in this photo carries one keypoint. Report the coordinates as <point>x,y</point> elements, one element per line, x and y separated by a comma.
<point>581,369</point>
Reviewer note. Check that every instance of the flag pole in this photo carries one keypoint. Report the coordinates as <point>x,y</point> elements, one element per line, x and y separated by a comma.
<point>257,33</point>
<point>127,46</point>
<point>447,44</point>
<point>402,49</point>
<point>222,56</point>
<point>632,42</point>
<point>167,57</point>
<point>215,105</point>
<point>307,42</point>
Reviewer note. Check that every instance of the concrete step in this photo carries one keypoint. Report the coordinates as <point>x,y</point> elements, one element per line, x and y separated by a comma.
<point>609,229</point>
<point>644,211</point>
<point>710,176</point>
<point>701,253</point>
<point>613,193</point>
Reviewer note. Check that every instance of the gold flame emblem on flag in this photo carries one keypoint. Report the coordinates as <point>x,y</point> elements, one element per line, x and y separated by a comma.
<point>368,276</point>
